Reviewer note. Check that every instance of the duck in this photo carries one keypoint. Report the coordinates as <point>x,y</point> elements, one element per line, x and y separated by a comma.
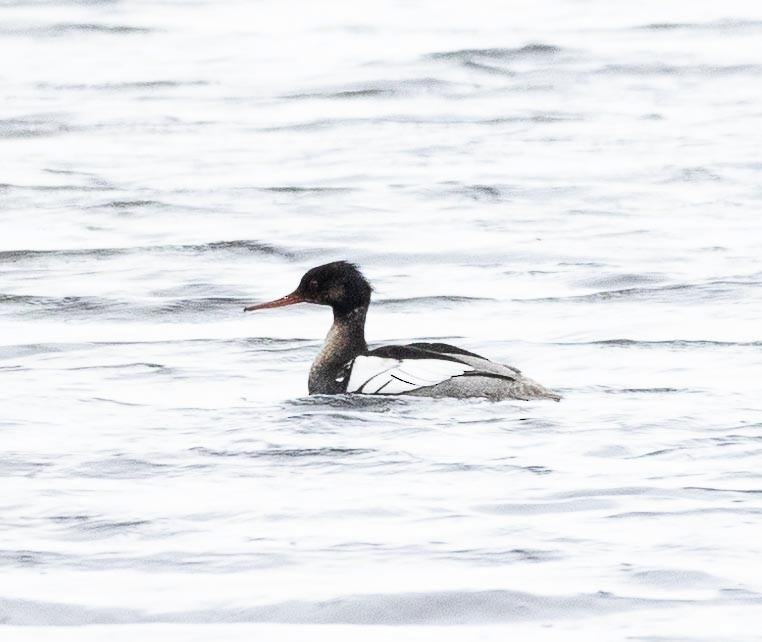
<point>345,364</point>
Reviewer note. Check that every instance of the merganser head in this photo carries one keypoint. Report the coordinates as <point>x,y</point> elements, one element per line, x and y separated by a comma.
<point>339,284</point>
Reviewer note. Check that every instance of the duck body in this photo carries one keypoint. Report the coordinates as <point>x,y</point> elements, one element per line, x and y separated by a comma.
<point>440,370</point>
<point>345,365</point>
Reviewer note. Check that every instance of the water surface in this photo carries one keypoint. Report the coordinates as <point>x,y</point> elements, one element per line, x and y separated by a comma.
<point>568,187</point>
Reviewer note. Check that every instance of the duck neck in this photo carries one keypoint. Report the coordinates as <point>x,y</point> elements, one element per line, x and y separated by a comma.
<point>345,341</point>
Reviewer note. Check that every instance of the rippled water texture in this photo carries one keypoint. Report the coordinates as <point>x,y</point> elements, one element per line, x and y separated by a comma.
<point>571,187</point>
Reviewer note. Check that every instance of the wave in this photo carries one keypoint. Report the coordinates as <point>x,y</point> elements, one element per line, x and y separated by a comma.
<point>302,189</point>
<point>482,192</point>
<point>117,309</point>
<point>490,69</point>
<point>681,292</point>
<point>195,306</point>
<point>610,281</point>
<point>660,69</point>
<point>675,343</point>
<point>56,188</point>
<point>717,25</point>
<point>31,127</point>
<point>739,491</point>
<point>121,467</point>
<point>451,119</point>
<point>429,608</point>
<point>137,204</point>
<point>125,86</point>
<point>265,343</point>
<point>348,401</point>
<point>237,246</point>
<point>498,53</point>
<point>428,301</point>
<point>102,307</point>
<point>543,508</point>
<point>12,465</point>
<point>106,528</point>
<point>66,304</point>
<point>646,390</point>
<point>379,89</point>
<point>143,365</point>
<point>285,453</point>
<point>69,28</point>
<point>696,174</point>
<point>179,305</point>
<point>654,514</point>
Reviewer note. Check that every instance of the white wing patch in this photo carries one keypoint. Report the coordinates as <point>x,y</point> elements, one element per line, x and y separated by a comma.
<point>382,376</point>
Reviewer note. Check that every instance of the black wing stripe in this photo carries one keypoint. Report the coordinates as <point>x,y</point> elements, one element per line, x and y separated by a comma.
<point>378,374</point>
<point>382,387</point>
<point>492,375</point>
<point>409,383</point>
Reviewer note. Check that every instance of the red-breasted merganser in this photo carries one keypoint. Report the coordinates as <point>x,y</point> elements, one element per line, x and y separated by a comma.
<point>345,365</point>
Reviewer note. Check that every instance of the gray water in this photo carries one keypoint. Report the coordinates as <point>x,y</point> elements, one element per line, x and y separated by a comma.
<point>571,187</point>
